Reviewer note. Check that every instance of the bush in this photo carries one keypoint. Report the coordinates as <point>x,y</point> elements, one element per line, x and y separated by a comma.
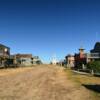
<point>38,62</point>
<point>95,66</point>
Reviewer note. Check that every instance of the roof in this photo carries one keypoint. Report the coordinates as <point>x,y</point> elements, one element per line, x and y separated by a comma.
<point>3,46</point>
<point>69,55</point>
<point>96,48</point>
<point>24,55</point>
<point>97,45</point>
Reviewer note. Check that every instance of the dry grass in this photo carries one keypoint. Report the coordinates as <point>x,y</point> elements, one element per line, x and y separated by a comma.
<point>88,81</point>
<point>44,82</point>
<point>10,71</point>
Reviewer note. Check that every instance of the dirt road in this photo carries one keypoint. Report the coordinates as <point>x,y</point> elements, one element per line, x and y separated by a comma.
<point>39,83</point>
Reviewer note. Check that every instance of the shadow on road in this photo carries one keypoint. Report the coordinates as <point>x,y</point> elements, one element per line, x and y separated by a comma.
<point>95,88</point>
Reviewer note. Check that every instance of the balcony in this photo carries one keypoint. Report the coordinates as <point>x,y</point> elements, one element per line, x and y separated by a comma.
<point>93,55</point>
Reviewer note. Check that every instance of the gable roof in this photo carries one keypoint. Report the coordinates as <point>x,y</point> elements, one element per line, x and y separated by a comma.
<point>96,48</point>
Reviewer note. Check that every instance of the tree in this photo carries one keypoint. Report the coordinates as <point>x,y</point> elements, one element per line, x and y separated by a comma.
<point>38,62</point>
<point>95,66</point>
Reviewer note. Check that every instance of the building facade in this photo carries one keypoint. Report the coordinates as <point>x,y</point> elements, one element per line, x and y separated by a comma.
<point>80,58</point>
<point>4,51</point>
<point>94,53</point>
<point>25,60</point>
<point>36,60</point>
<point>70,61</point>
<point>4,54</point>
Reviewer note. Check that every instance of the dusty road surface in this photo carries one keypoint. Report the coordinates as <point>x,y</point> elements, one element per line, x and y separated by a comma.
<point>39,83</point>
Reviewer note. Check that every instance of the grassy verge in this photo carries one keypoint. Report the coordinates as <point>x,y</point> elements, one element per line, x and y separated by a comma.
<point>88,81</point>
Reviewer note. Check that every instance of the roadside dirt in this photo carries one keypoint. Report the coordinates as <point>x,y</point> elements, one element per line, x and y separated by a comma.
<point>39,83</point>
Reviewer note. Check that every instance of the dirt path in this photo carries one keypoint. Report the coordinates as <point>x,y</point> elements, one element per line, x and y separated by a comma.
<point>40,83</point>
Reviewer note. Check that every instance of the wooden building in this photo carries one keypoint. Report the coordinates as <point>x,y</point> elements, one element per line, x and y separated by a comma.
<point>22,59</point>
<point>4,54</point>
<point>94,53</point>
<point>25,60</point>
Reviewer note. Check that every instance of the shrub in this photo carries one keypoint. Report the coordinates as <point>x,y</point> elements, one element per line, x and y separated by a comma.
<point>95,66</point>
<point>38,62</point>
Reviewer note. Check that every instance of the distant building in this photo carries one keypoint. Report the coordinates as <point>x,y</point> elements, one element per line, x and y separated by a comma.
<point>36,60</point>
<point>70,61</point>
<point>74,61</point>
<point>84,58</point>
<point>54,60</point>
<point>7,60</point>
<point>23,59</point>
<point>80,58</point>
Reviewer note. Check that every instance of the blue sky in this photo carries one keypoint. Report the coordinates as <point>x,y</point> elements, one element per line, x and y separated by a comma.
<point>47,27</point>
